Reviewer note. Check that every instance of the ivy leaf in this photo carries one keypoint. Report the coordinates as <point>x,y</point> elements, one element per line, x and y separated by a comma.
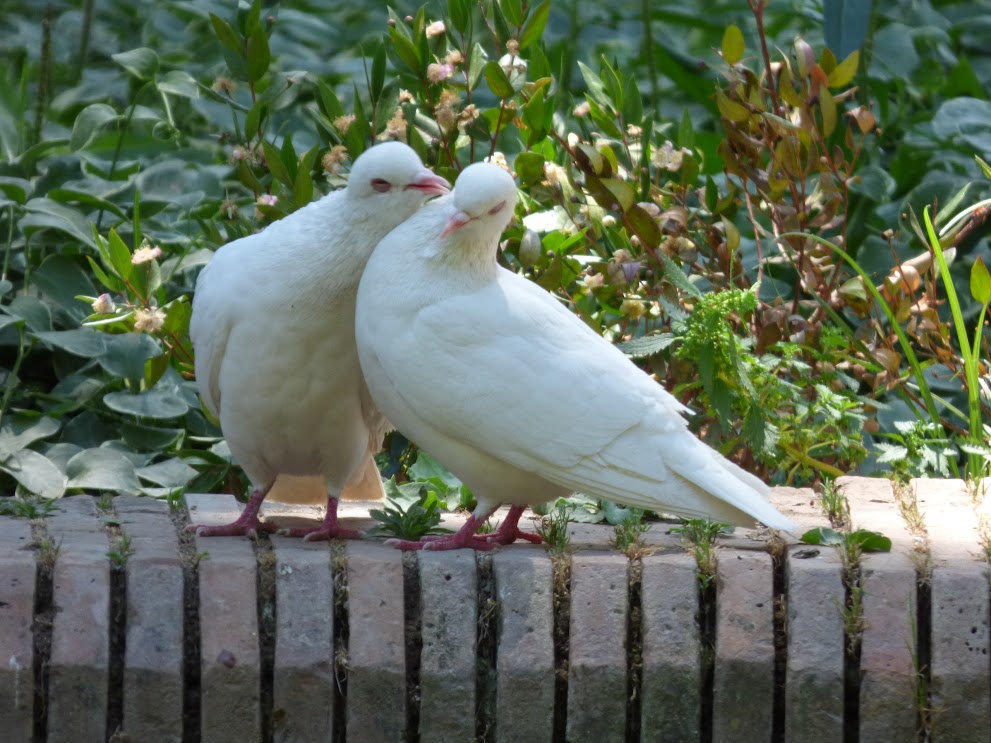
<point>141,62</point>
<point>102,469</point>
<point>89,122</point>
<point>35,473</point>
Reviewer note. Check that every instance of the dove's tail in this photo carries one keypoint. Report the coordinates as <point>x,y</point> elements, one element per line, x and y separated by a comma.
<point>681,476</point>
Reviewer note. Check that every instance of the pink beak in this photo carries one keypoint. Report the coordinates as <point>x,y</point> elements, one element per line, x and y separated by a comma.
<point>430,183</point>
<point>457,220</point>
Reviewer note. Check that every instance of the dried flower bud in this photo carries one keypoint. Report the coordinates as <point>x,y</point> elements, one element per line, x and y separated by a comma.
<point>513,47</point>
<point>633,308</point>
<point>223,85</point>
<point>343,123</point>
<point>437,73</point>
<point>454,57</point>
<point>582,109</point>
<point>805,57</point>
<point>435,29</point>
<point>334,158</point>
<point>609,221</point>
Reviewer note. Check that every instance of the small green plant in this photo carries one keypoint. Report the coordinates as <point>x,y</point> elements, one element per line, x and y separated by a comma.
<point>27,508</point>
<point>417,520</point>
<point>699,536</point>
<point>836,506</point>
<point>553,527</point>
<point>48,551</point>
<point>629,533</point>
<point>121,550</point>
<point>851,544</point>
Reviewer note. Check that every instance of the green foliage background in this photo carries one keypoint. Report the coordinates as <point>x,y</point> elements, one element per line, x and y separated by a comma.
<point>654,177</point>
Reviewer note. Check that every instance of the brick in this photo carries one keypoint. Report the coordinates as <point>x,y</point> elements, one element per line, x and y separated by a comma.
<point>153,683</point>
<point>873,506</point>
<point>229,662</point>
<point>17,590</point>
<point>743,689</point>
<point>597,668</point>
<point>448,591</point>
<point>814,671</point>
<point>304,644</point>
<point>376,709</point>
<point>671,652</point>
<point>524,582</point>
<point>887,697</point>
<point>960,668</point>
<point>80,655</point>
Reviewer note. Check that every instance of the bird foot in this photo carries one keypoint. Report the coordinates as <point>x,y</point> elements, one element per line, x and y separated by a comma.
<point>508,536</point>
<point>242,527</point>
<point>432,544</point>
<point>321,533</point>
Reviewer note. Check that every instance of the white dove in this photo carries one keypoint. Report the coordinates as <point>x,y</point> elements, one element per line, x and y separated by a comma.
<point>515,394</point>
<point>273,334</point>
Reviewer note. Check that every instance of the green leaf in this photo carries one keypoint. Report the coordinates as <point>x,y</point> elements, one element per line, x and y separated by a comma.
<point>258,54</point>
<point>62,280</point>
<point>155,403</point>
<point>512,10</point>
<point>535,24</point>
<point>35,473</point>
<point>845,70</point>
<point>273,159</point>
<point>20,430</point>
<point>428,468</point>
<point>127,353</point>
<point>846,24</point>
<point>733,45</point>
<point>980,282</point>
<point>646,345</point>
<point>45,213</point>
<point>405,49</point>
<point>79,342</point>
<point>388,102</point>
<point>331,104</point>
<point>529,166</point>
<point>179,83</point>
<point>36,314</point>
<point>141,62</point>
<point>499,84</point>
<point>822,535</point>
<point>172,473</point>
<point>226,34</point>
<point>378,75</point>
<point>102,469</point>
<point>624,195</point>
<point>459,11</point>
<point>596,90</point>
<point>871,541</point>
<point>89,122</point>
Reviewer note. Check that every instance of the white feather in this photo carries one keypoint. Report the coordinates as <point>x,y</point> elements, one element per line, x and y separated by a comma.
<point>273,328</point>
<point>515,394</point>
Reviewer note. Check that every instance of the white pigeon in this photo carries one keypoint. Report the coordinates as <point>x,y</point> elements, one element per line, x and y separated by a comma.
<point>273,334</point>
<point>515,394</point>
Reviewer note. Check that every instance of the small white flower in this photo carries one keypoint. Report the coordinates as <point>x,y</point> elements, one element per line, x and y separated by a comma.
<point>148,321</point>
<point>146,254</point>
<point>267,199</point>
<point>435,29</point>
<point>439,72</point>
<point>103,304</point>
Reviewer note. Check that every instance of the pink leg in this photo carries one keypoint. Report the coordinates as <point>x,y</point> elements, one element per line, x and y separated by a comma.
<point>464,537</point>
<point>509,530</point>
<point>330,529</point>
<point>246,525</point>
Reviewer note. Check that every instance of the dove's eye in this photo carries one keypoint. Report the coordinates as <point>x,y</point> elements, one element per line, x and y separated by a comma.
<point>496,209</point>
<point>381,185</point>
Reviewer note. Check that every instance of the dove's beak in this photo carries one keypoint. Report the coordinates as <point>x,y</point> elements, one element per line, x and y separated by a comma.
<point>430,184</point>
<point>457,220</point>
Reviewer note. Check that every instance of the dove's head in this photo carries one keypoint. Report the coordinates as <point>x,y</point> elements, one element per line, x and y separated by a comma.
<point>390,179</point>
<point>484,199</point>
